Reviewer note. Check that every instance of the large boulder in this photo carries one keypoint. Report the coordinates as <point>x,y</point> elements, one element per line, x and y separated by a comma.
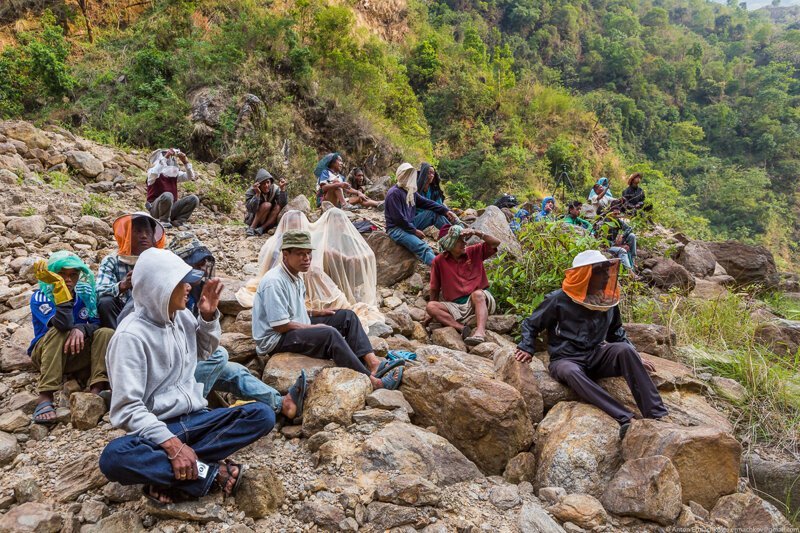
<point>394,262</point>
<point>748,512</point>
<point>581,509</point>
<point>577,448</point>
<point>648,488</point>
<point>334,396</point>
<point>299,203</point>
<point>779,335</point>
<point>228,304</point>
<point>31,516</point>
<point>241,348</point>
<point>29,228</point>
<point>86,410</point>
<point>652,338</point>
<point>494,222</point>
<point>90,224</point>
<point>282,369</point>
<point>776,480</point>
<point>379,187</point>
<point>26,133</point>
<point>486,419</point>
<point>747,264</point>
<point>707,459</point>
<point>520,376</point>
<point>666,274</point>
<point>412,450</point>
<point>697,259</point>
<point>84,163</point>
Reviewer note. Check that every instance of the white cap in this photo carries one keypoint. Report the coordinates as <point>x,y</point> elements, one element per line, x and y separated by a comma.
<point>589,257</point>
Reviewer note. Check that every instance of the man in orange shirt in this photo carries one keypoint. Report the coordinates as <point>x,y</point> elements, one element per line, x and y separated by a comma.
<point>459,278</point>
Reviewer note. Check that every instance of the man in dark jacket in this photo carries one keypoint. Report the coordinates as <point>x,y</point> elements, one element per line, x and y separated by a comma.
<point>401,203</point>
<point>263,202</point>
<point>586,340</point>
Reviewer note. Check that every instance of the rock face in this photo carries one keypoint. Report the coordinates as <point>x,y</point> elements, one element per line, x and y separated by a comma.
<point>9,448</point>
<point>745,263</point>
<point>697,259</point>
<point>652,338</point>
<point>580,509</point>
<point>520,376</point>
<point>334,396</point>
<point>29,228</point>
<point>748,512</point>
<point>577,448</point>
<point>261,493</point>
<point>666,274</point>
<point>86,410</point>
<point>36,517</point>
<point>412,450</point>
<point>533,519</point>
<point>408,489</point>
<point>394,262</point>
<point>707,459</point>
<point>494,222</point>
<point>648,488</point>
<point>282,369</point>
<point>775,480</point>
<point>486,419</point>
<point>84,163</point>
<point>780,335</point>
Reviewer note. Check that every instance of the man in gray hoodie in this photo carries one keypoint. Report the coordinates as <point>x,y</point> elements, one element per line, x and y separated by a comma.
<point>174,446</point>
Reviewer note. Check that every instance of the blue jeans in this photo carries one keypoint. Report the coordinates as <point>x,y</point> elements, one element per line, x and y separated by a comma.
<point>219,374</point>
<point>212,434</point>
<point>425,219</point>
<point>622,255</point>
<point>414,244</point>
<point>631,242</point>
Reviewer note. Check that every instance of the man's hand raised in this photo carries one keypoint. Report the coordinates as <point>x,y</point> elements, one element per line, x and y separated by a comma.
<point>209,298</point>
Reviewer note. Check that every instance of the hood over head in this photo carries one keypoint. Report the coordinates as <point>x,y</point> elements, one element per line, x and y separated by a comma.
<point>123,233</point>
<point>544,202</point>
<point>155,276</point>
<point>407,180</point>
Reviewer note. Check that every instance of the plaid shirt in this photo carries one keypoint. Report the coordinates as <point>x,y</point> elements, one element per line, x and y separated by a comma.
<point>111,272</point>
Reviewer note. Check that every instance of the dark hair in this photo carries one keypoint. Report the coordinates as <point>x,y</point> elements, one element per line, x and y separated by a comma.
<point>574,204</point>
<point>352,177</point>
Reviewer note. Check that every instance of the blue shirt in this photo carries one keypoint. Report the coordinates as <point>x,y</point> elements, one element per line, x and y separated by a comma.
<point>43,309</point>
<point>280,299</point>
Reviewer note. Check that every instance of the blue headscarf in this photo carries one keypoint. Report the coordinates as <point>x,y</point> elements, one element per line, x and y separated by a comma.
<point>603,182</point>
<point>521,216</point>
<point>542,214</point>
<point>324,163</point>
<point>85,288</point>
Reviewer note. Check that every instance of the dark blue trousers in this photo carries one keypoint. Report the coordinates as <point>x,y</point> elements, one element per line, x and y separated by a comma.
<point>212,434</point>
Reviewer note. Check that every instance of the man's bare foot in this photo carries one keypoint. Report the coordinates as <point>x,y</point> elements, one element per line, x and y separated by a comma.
<point>289,408</point>
<point>376,383</point>
<point>157,495</point>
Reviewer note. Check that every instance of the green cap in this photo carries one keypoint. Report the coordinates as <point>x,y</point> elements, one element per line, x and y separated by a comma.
<point>297,239</point>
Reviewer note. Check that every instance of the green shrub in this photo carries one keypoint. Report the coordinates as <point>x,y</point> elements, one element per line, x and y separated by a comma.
<point>96,205</point>
<point>223,193</point>
<point>59,180</point>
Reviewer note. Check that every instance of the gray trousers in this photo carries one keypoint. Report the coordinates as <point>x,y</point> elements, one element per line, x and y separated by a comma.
<point>610,360</point>
<point>166,209</point>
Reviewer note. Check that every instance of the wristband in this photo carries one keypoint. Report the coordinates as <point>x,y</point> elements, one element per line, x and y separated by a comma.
<point>176,453</point>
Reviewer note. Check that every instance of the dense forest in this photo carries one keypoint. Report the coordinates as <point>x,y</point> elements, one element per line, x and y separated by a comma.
<point>503,95</point>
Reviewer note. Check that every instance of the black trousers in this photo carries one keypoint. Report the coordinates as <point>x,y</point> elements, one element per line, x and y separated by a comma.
<point>345,342</point>
<point>610,360</point>
<point>108,310</point>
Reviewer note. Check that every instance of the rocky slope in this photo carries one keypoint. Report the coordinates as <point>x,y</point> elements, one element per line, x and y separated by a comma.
<point>474,441</point>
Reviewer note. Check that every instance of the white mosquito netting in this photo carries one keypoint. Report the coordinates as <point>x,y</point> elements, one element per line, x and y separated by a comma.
<point>343,273</point>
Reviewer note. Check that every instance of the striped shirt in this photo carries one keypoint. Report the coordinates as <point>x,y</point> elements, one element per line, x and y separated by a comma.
<point>111,272</point>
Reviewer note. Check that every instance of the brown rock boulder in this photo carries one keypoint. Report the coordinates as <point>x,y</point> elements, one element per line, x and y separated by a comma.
<point>707,459</point>
<point>494,222</point>
<point>241,348</point>
<point>520,376</point>
<point>86,410</point>
<point>261,494</point>
<point>448,338</point>
<point>577,448</point>
<point>747,264</point>
<point>697,259</point>
<point>666,274</point>
<point>779,335</point>
<point>652,338</point>
<point>282,369</point>
<point>580,509</point>
<point>486,419</point>
<point>394,262</point>
<point>748,512</point>
<point>334,396</point>
<point>521,467</point>
<point>648,488</point>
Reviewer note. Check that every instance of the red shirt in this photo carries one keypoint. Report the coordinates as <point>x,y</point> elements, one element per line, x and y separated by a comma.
<point>458,278</point>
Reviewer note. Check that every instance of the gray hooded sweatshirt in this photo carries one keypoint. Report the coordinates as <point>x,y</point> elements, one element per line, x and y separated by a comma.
<point>151,359</point>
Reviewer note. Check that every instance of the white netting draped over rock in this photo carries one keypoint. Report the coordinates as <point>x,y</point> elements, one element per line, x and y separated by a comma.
<point>343,272</point>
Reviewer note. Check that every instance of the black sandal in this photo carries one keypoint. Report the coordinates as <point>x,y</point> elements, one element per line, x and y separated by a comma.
<point>229,465</point>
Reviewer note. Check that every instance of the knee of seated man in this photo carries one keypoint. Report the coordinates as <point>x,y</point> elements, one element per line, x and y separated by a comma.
<point>111,461</point>
<point>264,207</point>
<point>478,296</point>
<point>260,414</point>
<point>102,335</point>
<point>168,196</point>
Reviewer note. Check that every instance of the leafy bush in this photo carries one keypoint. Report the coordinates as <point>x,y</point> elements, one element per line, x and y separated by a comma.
<point>520,284</point>
<point>96,205</point>
<point>223,193</point>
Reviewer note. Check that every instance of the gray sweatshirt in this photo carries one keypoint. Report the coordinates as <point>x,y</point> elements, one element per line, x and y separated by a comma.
<point>151,359</point>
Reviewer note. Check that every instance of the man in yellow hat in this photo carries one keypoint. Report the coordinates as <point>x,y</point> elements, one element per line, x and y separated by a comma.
<point>586,340</point>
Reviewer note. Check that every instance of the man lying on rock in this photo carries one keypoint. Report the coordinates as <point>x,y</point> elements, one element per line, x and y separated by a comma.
<point>459,277</point>
<point>586,340</point>
<point>162,188</point>
<point>281,322</point>
<point>134,233</point>
<point>151,362</point>
<point>67,338</point>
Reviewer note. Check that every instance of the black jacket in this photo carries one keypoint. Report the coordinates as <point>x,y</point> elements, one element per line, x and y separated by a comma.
<point>572,330</point>
<point>633,197</point>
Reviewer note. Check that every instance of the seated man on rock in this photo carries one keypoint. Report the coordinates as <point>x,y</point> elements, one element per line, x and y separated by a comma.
<point>400,206</point>
<point>67,335</point>
<point>281,322</point>
<point>586,340</point>
<point>459,277</point>
<point>151,362</point>
<point>573,217</point>
<point>134,233</point>
<point>216,372</point>
<point>162,188</point>
<point>263,203</point>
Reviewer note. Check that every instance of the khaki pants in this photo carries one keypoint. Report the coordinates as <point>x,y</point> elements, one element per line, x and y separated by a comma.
<point>49,359</point>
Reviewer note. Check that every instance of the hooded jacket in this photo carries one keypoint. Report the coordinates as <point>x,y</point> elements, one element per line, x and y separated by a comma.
<point>435,189</point>
<point>544,215</point>
<point>151,358</point>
